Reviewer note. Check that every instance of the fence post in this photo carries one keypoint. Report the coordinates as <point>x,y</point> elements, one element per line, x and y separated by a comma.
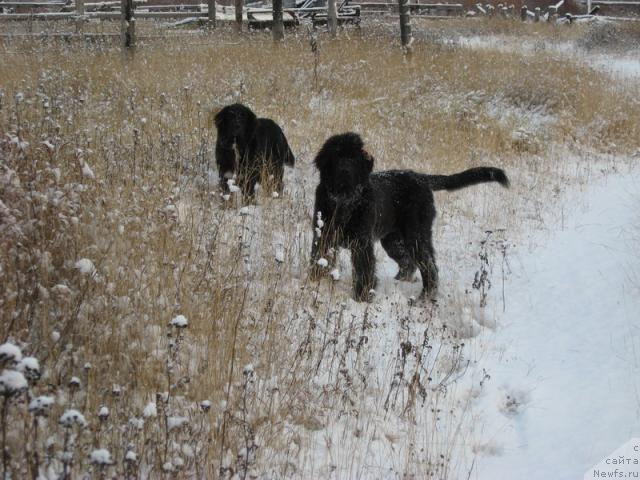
<point>239,4</point>
<point>536,12</point>
<point>80,15</point>
<point>278,26</point>
<point>211,13</point>
<point>332,18</point>
<point>405,25</point>
<point>128,24</point>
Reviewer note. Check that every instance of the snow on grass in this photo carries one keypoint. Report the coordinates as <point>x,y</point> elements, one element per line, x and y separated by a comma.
<point>176,422</point>
<point>12,382</point>
<point>101,456</point>
<point>179,322</point>
<point>41,405</point>
<point>72,417</point>
<point>335,274</point>
<point>150,410</point>
<point>619,66</point>
<point>85,266</point>
<point>10,352</point>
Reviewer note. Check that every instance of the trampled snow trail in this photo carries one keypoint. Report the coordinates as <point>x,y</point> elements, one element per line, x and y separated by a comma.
<point>568,347</point>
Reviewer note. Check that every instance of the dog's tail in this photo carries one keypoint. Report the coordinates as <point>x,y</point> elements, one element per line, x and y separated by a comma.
<point>473,176</point>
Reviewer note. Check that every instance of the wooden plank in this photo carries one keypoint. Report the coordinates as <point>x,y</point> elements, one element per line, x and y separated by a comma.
<point>413,5</point>
<point>32,4</point>
<point>616,3</point>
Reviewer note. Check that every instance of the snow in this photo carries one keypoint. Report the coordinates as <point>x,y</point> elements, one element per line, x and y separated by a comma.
<point>103,413</point>
<point>618,66</point>
<point>62,290</point>
<point>565,357</point>
<point>9,351</point>
<point>176,422</point>
<point>72,417</point>
<point>41,404</point>
<point>101,456</point>
<point>87,172</point>
<point>233,188</point>
<point>279,254</point>
<point>322,262</point>
<point>150,410</point>
<point>137,423</point>
<point>335,274</point>
<point>179,322</point>
<point>29,366</point>
<point>12,382</point>
<point>85,266</point>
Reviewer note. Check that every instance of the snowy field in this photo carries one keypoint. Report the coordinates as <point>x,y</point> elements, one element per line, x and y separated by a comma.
<point>154,329</point>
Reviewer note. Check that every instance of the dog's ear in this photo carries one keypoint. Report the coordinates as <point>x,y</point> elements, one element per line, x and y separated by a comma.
<point>367,161</point>
<point>250,119</point>
<point>212,118</point>
<point>221,117</point>
<point>322,158</point>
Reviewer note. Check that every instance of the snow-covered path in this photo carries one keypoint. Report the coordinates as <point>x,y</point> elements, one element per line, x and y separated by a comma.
<point>567,352</point>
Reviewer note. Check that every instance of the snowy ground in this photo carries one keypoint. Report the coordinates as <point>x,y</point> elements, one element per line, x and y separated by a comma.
<point>565,358</point>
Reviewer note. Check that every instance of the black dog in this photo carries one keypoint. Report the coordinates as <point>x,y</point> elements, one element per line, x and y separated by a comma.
<point>250,147</point>
<point>354,208</point>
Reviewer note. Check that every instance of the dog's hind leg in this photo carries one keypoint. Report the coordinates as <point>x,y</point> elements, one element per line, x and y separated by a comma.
<point>278,177</point>
<point>420,247</point>
<point>364,268</point>
<point>248,177</point>
<point>394,245</point>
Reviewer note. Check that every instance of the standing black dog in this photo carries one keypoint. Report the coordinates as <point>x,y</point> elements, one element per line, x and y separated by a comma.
<point>250,147</point>
<point>355,207</point>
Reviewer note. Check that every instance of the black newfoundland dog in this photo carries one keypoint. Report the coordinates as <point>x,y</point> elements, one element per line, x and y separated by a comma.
<point>252,148</point>
<point>354,208</point>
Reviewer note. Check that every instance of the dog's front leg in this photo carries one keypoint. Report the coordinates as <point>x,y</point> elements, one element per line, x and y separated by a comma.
<point>364,269</point>
<point>225,160</point>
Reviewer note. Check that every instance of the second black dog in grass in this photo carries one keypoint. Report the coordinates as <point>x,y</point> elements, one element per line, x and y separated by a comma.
<point>252,148</point>
<point>354,208</point>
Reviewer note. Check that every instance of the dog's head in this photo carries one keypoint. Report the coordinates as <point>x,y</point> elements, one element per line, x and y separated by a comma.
<point>235,124</point>
<point>343,164</point>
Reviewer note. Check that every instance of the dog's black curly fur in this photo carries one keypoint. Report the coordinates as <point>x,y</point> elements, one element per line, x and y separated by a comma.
<point>354,208</point>
<point>250,146</point>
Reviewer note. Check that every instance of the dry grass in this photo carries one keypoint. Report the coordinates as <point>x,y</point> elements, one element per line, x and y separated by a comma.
<point>110,159</point>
